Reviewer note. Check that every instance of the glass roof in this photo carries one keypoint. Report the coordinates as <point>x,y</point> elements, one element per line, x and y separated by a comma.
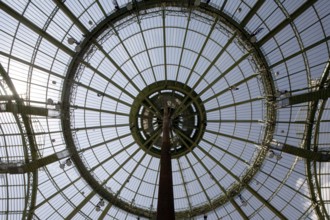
<point>82,82</point>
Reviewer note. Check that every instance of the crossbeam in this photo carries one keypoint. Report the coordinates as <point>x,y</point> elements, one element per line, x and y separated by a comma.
<point>301,152</point>
<point>310,96</point>
<point>21,167</point>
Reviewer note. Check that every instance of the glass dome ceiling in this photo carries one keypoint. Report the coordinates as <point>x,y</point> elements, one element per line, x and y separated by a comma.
<point>83,84</point>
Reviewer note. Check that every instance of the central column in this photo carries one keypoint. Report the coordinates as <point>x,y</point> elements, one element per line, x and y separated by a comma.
<point>165,206</point>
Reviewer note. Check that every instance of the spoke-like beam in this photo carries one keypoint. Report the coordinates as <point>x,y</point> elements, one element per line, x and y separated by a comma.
<point>252,12</point>
<point>138,164</point>
<point>102,93</point>
<point>142,178</point>
<point>88,198</point>
<point>232,137</point>
<point>100,127</point>
<point>225,72</point>
<point>104,142</point>
<point>301,51</point>
<point>130,58</point>
<point>227,152</point>
<point>107,79</point>
<point>235,104</point>
<point>201,52</point>
<point>128,78</point>
<point>35,28</point>
<point>265,202</point>
<point>164,42</point>
<point>233,121</point>
<point>239,209</point>
<point>228,88</point>
<point>252,191</point>
<point>71,16</point>
<point>105,211</point>
<point>59,191</point>
<point>154,108</point>
<point>223,5</point>
<point>187,101</point>
<point>196,175</point>
<point>183,45</point>
<point>112,156</point>
<point>31,65</point>
<point>184,184</point>
<point>232,201</point>
<point>287,21</point>
<point>212,64</point>
<point>147,50</point>
<point>81,205</point>
<point>99,110</point>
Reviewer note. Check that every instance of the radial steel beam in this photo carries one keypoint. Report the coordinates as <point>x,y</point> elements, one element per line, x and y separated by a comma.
<point>103,94</point>
<point>215,22</point>
<point>265,202</point>
<point>81,205</point>
<point>236,104</point>
<point>106,78</point>
<point>146,48</point>
<point>127,51</point>
<point>228,88</point>
<point>103,25</point>
<point>85,108</point>
<point>71,16</point>
<point>60,191</point>
<point>165,205</point>
<point>164,42</point>
<point>186,30</point>
<point>237,62</point>
<point>32,65</point>
<point>252,191</point>
<point>239,209</point>
<point>252,12</point>
<point>223,5</point>
<point>287,21</point>
<point>184,184</point>
<point>118,67</point>
<point>227,152</point>
<point>35,28</point>
<point>301,51</point>
<point>100,127</point>
<point>232,201</point>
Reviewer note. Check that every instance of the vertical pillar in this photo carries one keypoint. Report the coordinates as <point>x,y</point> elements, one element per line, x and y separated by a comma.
<point>165,206</point>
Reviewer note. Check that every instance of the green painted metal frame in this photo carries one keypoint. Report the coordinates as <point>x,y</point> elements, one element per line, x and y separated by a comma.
<point>76,60</point>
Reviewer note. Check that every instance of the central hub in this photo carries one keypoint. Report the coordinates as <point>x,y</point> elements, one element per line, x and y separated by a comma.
<point>185,111</point>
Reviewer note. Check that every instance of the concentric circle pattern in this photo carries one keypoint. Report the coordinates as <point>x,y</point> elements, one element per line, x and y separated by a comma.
<point>214,95</point>
<point>84,85</point>
<point>187,114</point>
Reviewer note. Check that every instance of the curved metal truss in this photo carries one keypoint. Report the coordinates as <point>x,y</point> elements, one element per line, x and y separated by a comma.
<point>258,140</point>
